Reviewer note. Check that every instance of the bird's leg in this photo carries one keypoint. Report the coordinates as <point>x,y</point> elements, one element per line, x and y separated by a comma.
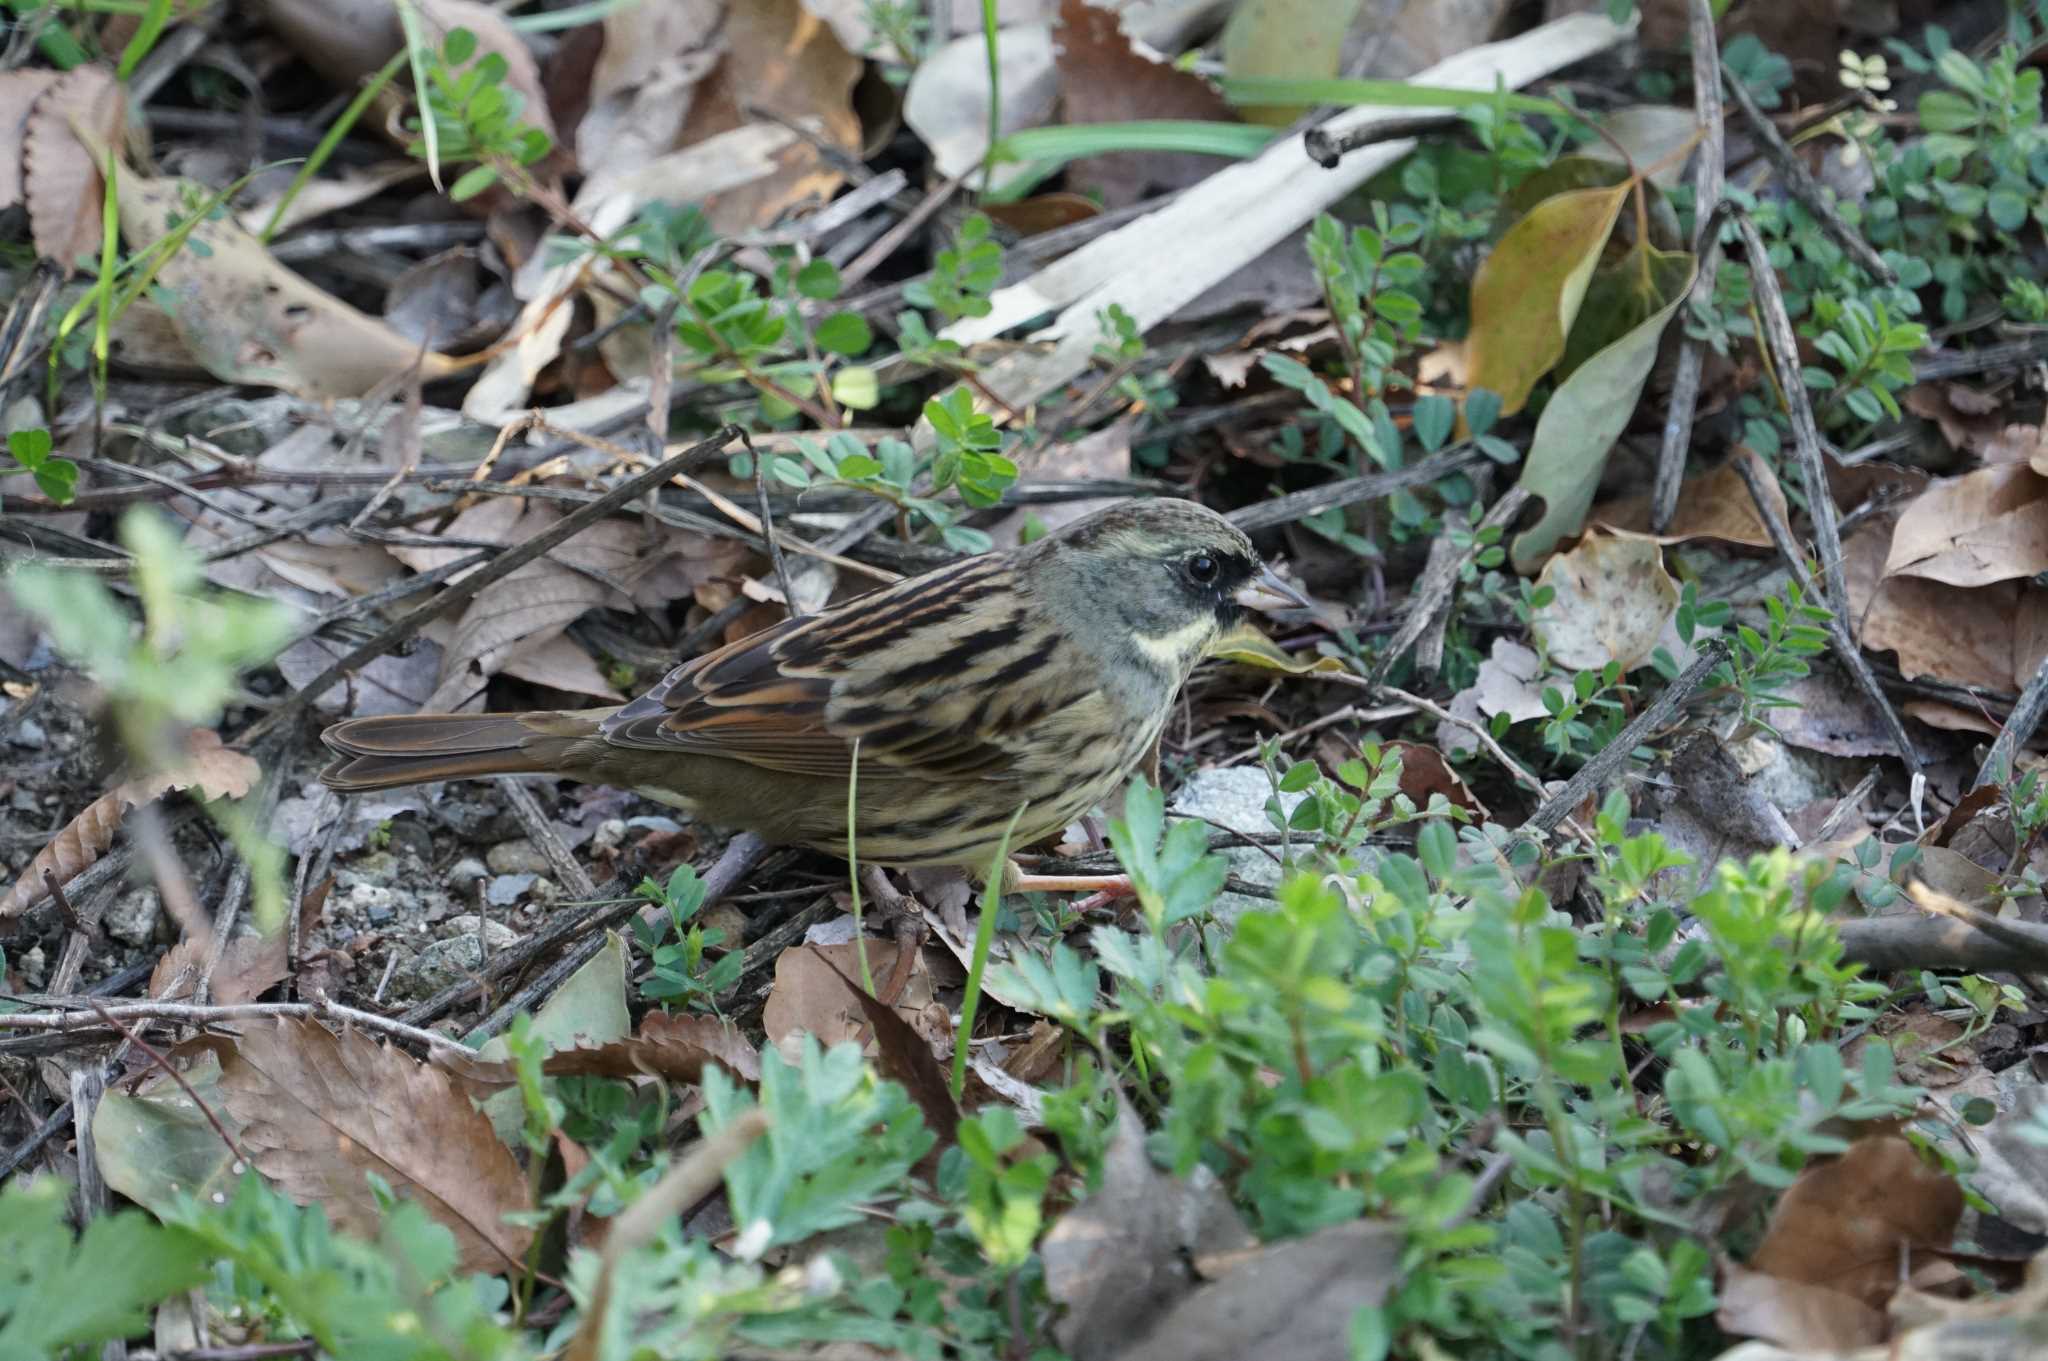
<point>1015,880</point>
<point>890,902</point>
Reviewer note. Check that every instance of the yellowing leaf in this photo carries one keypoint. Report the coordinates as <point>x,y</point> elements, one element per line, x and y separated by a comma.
<point>1584,418</point>
<point>1247,646</point>
<point>1527,294</point>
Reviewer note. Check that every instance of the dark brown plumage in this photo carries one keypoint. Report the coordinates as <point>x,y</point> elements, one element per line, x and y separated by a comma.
<point>1041,676</point>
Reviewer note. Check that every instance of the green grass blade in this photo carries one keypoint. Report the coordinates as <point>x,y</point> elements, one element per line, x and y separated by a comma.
<point>984,937</point>
<point>1234,140</point>
<point>146,33</point>
<point>331,139</point>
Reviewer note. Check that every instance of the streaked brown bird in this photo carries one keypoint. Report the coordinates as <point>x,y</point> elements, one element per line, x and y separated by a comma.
<point>1038,677</point>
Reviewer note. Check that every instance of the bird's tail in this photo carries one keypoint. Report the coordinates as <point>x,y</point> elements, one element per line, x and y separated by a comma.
<point>388,751</point>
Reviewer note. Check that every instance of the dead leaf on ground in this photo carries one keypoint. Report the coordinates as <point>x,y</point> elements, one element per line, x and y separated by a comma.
<point>519,613</point>
<point>809,995</point>
<point>348,40</point>
<point>215,771</point>
<point>645,81</point>
<point>1425,772</point>
<point>946,103</point>
<point>1118,1260</point>
<point>1105,79</point>
<point>1296,1298</point>
<point>62,178</point>
<point>1844,1223</point>
<point>1793,1314</point>
<point>454,301</point>
<point>1991,636</point>
<point>19,91</point>
<point>1510,681</point>
<point>319,1110</point>
<point>905,1056</point>
<point>674,1048</point>
<point>248,319</point>
<point>1975,422</point>
<point>1714,506</point>
<point>1830,714</point>
<point>1613,596</point>
<point>1983,527</point>
<point>249,967</point>
<point>782,59</point>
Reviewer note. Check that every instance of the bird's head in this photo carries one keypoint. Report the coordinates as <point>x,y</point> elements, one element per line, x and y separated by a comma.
<point>1165,577</point>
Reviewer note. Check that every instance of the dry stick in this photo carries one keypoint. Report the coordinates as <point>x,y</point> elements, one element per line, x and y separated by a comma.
<point>1782,347</point>
<point>1887,944</point>
<point>870,259</point>
<point>465,590</point>
<point>1594,773</point>
<point>1708,171</point>
<point>542,834</point>
<point>768,533</point>
<point>1845,644</point>
<point>1439,579</point>
<point>191,1013</point>
<point>2019,726</point>
<point>1800,183</point>
<point>1351,490</point>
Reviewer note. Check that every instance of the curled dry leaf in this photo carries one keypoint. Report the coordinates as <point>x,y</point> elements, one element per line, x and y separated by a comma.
<point>19,91</point>
<point>1117,1261</point>
<point>61,175</point>
<point>1104,78</point>
<point>248,319</point>
<point>1425,772</point>
<point>809,995</point>
<point>645,81</point>
<point>318,1110</point>
<point>1983,527</point>
<point>946,103</point>
<point>249,967</point>
<point>215,771</point>
<point>1715,506</point>
<point>348,40</point>
<point>1613,596</point>
<point>1991,636</point>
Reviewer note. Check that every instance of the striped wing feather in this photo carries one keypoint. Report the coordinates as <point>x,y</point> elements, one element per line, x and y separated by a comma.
<point>907,670</point>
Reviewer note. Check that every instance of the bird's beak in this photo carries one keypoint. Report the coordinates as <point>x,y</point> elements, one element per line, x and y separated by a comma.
<point>1268,591</point>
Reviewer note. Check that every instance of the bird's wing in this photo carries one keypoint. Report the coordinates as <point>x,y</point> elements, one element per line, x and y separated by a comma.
<point>915,672</point>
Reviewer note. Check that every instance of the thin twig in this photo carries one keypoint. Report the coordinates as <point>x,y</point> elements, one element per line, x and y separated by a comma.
<point>789,602</point>
<point>2019,728</point>
<point>1439,579</point>
<point>1800,183</point>
<point>1783,348</point>
<point>1558,807</point>
<point>1845,645</point>
<point>465,590</point>
<point>1708,170</point>
<point>1300,505</point>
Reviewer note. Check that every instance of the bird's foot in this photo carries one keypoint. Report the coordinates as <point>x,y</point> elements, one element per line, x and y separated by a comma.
<point>890,903</point>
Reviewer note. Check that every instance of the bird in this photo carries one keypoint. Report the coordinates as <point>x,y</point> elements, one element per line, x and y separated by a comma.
<point>1037,678</point>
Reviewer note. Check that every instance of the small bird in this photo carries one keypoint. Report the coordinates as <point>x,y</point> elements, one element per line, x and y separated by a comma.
<point>1037,678</point>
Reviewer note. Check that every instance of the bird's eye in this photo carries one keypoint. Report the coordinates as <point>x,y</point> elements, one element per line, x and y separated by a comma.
<point>1202,569</point>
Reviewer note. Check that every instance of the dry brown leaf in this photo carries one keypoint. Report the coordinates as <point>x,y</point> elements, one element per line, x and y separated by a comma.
<point>1295,1298</point>
<point>348,40</point>
<point>1993,636</point>
<point>1424,772</point>
<point>1949,718</point>
<point>19,91</point>
<point>1613,596</point>
<point>535,603</point>
<point>215,771</point>
<point>1793,1314</point>
<point>1117,1260</point>
<point>1103,79</point>
<point>1716,506</point>
<point>1983,527</point>
<point>785,60</point>
<point>248,319</point>
<point>903,1055</point>
<point>809,995</point>
<point>319,1110</point>
<point>324,194</point>
<point>1843,1224</point>
<point>645,80</point>
<point>61,176</point>
<point>249,967</point>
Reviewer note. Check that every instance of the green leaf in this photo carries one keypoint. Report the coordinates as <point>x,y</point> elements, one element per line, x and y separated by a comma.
<point>818,279</point>
<point>29,447</point>
<point>460,46</point>
<point>58,480</point>
<point>472,182</point>
<point>57,1292</point>
<point>844,333</point>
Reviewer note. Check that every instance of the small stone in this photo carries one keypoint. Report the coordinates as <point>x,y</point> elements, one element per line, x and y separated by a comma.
<point>463,874</point>
<point>376,902</point>
<point>727,920</point>
<point>506,889</point>
<point>1235,797</point>
<point>518,856</point>
<point>609,836</point>
<point>34,967</point>
<point>133,916</point>
<point>497,933</point>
